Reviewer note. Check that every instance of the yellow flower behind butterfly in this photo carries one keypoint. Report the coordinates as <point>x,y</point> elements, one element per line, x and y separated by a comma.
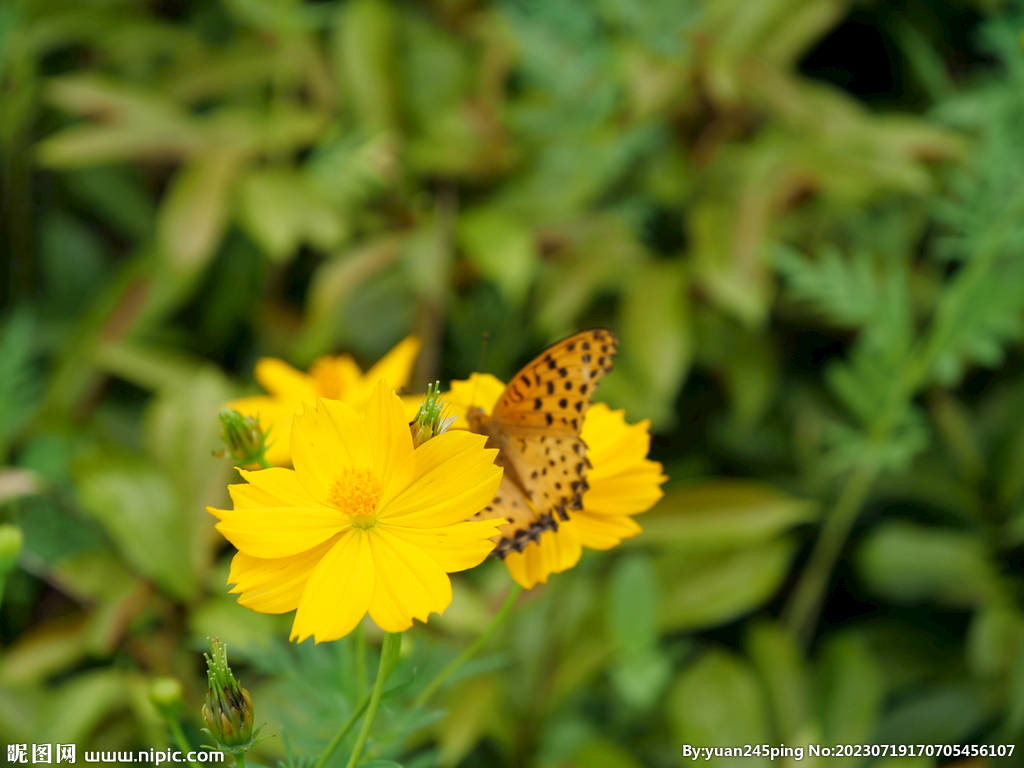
<point>622,481</point>
<point>336,377</point>
<point>364,523</point>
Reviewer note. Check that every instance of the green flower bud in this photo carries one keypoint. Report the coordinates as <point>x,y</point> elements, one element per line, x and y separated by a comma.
<point>430,420</point>
<point>165,693</point>
<point>246,442</point>
<point>228,710</point>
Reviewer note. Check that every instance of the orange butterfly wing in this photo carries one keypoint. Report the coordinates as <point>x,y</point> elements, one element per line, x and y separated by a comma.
<point>552,393</point>
<point>536,425</point>
<point>524,523</point>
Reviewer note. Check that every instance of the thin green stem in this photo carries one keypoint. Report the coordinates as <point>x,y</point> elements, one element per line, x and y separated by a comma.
<point>239,760</point>
<point>360,633</point>
<point>342,733</point>
<point>473,648</point>
<point>179,736</point>
<point>805,603</point>
<point>388,654</point>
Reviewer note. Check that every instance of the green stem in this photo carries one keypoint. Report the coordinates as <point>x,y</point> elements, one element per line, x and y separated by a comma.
<point>388,654</point>
<point>807,598</point>
<point>473,649</point>
<point>342,733</point>
<point>179,736</point>
<point>360,660</point>
<point>240,760</point>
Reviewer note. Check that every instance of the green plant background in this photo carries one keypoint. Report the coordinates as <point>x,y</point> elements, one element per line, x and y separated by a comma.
<point>803,218</point>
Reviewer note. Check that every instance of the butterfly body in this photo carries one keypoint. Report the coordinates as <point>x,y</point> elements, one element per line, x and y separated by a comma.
<point>535,425</point>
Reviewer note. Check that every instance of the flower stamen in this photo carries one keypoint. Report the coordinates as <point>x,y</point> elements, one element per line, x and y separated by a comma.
<point>356,492</point>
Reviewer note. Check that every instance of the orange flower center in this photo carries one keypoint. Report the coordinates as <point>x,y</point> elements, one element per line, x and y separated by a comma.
<point>327,378</point>
<point>356,492</point>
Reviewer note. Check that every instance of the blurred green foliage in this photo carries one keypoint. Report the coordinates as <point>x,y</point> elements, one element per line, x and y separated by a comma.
<point>819,300</point>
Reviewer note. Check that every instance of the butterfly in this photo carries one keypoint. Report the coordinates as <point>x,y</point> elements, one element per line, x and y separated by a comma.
<point>536,425</point>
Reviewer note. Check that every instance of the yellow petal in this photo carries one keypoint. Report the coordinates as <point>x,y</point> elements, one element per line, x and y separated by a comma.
<point>275,414</point>
<point>613,445</point>
<point>480,390</point>
<point>604,531</point>
<point>454,547</point>
<point>274,487</point>
<point>337,377</point>
<point>446,480</point>
<point>412,404</point>
<point>531,566</point>
<point>564,544</point>
<point>326,439</point>
<point>275,516</point>
<point>274,586</point>
<point>279,378</point>
<point>388,430</point>
<point>554,552</point>
<point>627,493</point>
<point>410,584</point>
<point>272,532</point>
<point>396,365</point>
<point>338,592</point>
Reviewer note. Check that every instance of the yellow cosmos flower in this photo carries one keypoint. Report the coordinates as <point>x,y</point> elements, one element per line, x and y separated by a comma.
<point>336,377</point>
<point>622,481</point>
<point>364,523</point>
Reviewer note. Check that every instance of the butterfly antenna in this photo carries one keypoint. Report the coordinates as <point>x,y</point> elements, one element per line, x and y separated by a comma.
<point>480,368</point>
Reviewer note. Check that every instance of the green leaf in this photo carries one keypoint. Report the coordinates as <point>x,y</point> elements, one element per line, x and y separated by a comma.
<point>992,640</point>
<point>364,51</point>
<point>707,590</point>
<point>632,612</point>
<point>18,381</point>
<point>640,677</point>
<point>945,714</point>
<point>641,670</point>
<point>239,627</point>
<point>470,710</point>
<point>502,249</point>
<point>82,702</point>
<point>73,259</point>
<point>281,211</point>
<point>845,291</point>
<point>853,690</point>
<point>604,754</point>
<point>194,212</point>
<point>656,338</point>
<point>910,564</point>
<point>139,124</point>
<point>142,512</point>
<point>53,534</point>
<point>116,194</point>
<point>1014,721</point>
<point>746,363</point>
<point>718,701</point>
<point>976,320</point>
<point>777,657</point>
<point>729,267</point>
<point>44,651</point>
<point>180,431</point>
<point>715,515</point>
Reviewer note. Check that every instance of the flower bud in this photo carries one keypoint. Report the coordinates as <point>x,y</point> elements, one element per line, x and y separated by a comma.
<point>228,710</point>
<point>246,442</point>
<point>165,693</point>
<point>430,420</point>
